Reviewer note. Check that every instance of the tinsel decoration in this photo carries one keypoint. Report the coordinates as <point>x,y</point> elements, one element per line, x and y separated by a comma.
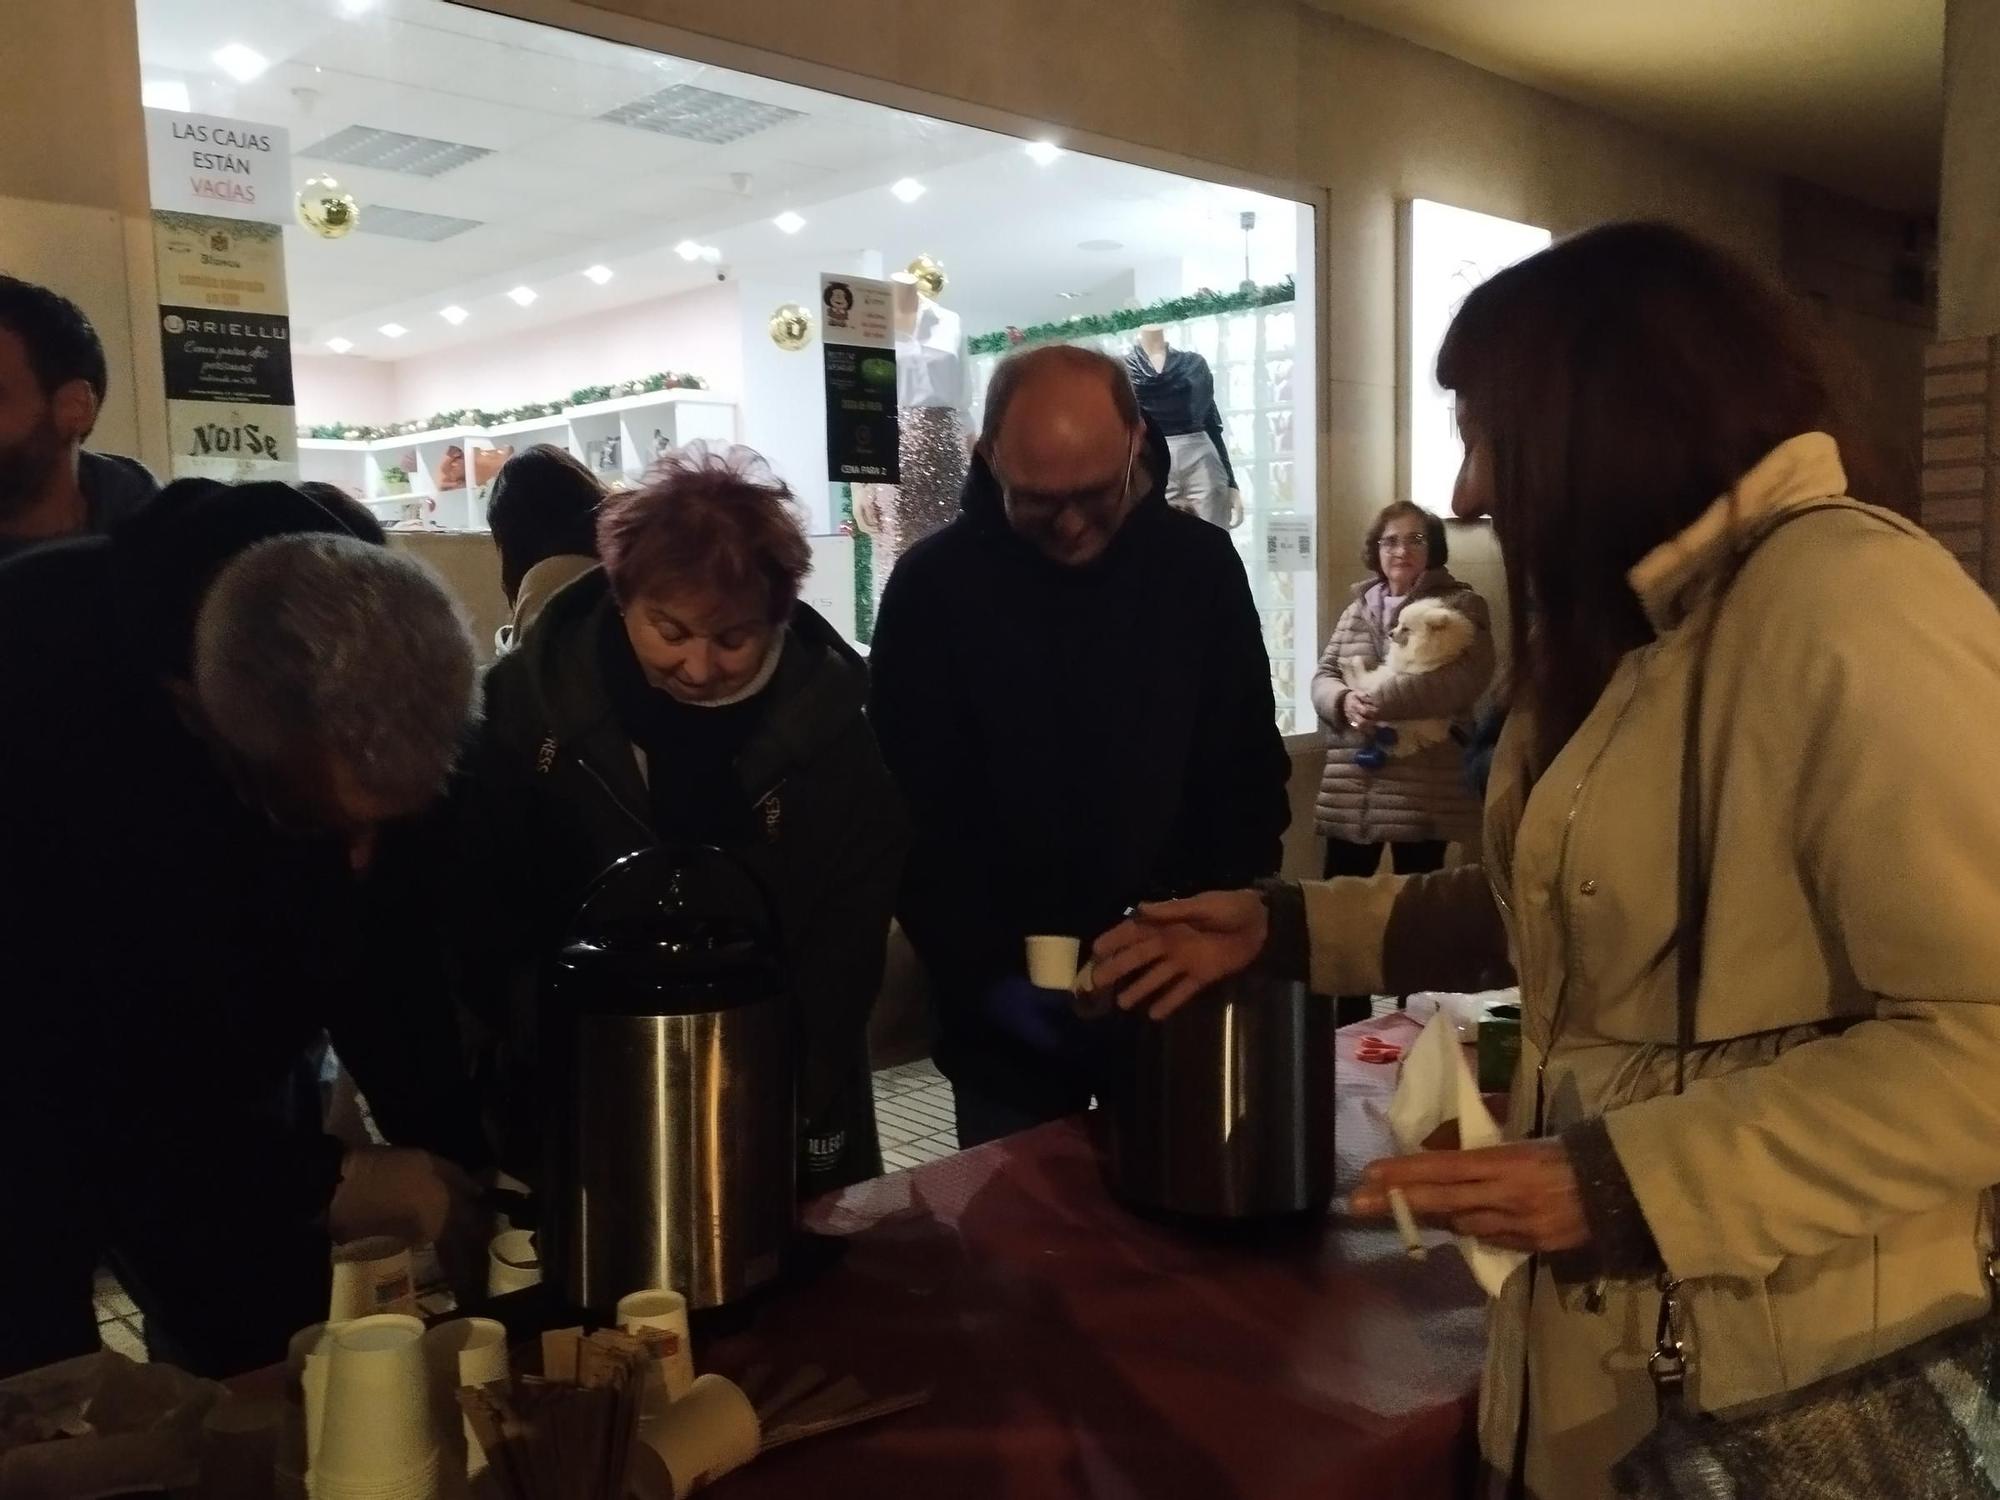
<point>471,416</point>
<point>326,208</point>
<point>1201,304</point>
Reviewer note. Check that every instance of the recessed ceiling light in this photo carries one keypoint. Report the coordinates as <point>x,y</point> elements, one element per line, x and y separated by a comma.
<point>1069,296</point>
<point>165,93</point>
<point>340,346</point>
<point>454,314</point>
<point>908,189</point>
<point>356,7</point>
<point>240,62</point>
<point>688,250</point>
<point>522,295</point>
<point>392,330</point>
<point>598,274</point>
<point>789,222</point>
<point>1041,153</point>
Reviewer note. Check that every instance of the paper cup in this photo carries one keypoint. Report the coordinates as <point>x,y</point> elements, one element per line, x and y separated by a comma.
<point>1052,962</point>
<point>372,1276</point>
<point>512,1263</point>
<point>659,1320</point>
<point>378,1433</point>
<point>465,1351</point>
<point>709,1432</point>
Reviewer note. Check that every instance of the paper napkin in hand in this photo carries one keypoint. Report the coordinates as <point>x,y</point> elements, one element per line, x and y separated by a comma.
<point>1437,1088</point>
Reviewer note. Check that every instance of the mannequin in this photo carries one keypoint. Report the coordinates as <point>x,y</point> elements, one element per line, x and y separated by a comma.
<point>1177,390</point>
<point>930,389</point>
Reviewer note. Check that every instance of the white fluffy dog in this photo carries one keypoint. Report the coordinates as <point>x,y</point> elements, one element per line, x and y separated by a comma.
<point>1429,634</point>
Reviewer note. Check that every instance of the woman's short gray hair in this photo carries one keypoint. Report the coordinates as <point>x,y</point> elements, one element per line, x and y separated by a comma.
<point>352,649</point>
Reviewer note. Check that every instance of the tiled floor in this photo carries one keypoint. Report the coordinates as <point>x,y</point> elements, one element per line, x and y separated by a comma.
<point>913,1112</point>
<point>912,1108</point>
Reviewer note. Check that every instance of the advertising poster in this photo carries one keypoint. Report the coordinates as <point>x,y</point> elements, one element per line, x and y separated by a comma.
<point>220,192</point>
<point>858,335</point>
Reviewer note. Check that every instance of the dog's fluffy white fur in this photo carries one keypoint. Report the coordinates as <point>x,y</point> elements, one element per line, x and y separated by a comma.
<point>1429,634</point>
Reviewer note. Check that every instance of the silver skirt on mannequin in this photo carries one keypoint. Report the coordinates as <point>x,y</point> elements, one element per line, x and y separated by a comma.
<point>1196,480</point>
<point>933,463</point>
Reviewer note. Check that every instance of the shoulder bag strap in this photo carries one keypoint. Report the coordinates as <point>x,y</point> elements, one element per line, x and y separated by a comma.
<point>1668,1365</point>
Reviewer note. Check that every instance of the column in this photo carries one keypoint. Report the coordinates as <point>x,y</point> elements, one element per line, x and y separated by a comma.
<point>1961,446</point>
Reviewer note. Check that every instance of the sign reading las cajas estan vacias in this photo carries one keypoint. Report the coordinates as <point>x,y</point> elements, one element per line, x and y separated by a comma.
<point>208,164</point>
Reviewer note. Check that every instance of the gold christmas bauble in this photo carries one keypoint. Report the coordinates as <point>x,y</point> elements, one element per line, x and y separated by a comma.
<point>327,209</point>
<point>929,274</point>
<point>791,327</point>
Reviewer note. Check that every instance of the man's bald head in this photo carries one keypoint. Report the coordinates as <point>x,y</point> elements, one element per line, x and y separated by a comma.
<point>1062,432</point>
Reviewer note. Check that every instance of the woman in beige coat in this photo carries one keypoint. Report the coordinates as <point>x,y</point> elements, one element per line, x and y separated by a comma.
<point>1639,410</point>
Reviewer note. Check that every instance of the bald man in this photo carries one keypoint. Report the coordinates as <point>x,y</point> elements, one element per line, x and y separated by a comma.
<point>1071,688</point>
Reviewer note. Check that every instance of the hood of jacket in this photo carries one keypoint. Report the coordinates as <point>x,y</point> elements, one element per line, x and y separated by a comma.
<point>820,687</point>
<point>983,509</point>
<point>165,556</point>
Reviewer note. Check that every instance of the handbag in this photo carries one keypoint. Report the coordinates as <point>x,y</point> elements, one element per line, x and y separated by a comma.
<point>1922,1423</point>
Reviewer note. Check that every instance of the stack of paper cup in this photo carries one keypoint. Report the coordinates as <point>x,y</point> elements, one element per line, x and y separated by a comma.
<point>512,1263</point>
<point>372,1276</point>
<point>659,1320</point>
<point>709,1432</point>
<point>378,1440</point>
<point>465,1351</point>
<point>307,1356</point>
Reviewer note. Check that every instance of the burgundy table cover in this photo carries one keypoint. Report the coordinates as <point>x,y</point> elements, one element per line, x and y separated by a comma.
<point>1076,1350</point>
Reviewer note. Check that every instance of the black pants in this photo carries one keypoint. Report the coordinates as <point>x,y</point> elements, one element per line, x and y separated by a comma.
<point>222,1279</point>
<point>1342,858</point>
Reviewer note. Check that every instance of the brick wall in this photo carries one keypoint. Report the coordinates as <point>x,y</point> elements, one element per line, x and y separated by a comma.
<point>1961,453</point>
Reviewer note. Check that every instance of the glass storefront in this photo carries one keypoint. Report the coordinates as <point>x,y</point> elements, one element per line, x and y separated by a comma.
<point>474,234</point>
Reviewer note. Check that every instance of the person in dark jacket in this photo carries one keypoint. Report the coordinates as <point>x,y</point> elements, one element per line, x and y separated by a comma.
<point>683,695</point>
<point>1071,688</point>
<point>215,719</point>
<point>52,383</point>
<point>543,515</point>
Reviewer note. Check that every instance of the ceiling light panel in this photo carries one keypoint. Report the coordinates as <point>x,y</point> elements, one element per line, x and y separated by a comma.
<point>454,314</point>
<point>392,151</point>
<point>521,296</point>
<point>688,113</point>
<point>598,274</point>
<point>412,224</point>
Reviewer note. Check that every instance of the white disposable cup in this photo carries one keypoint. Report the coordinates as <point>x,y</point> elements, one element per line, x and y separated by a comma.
<point>424,1482</point>
<point>1052,962</point>
<point>512,1263</point>
<point>372,1276</point>
<point>465,1351</point>
<point>659,1320</point>
<point>378,1433</point>
<point>308,1354</point>
<point>709,1432</point>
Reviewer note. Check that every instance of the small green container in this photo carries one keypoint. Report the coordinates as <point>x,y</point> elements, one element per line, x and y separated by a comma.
<point>1499,1048</point>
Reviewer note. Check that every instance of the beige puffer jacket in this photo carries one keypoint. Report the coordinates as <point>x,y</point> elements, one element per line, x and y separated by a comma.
<point>1818,1187</point>
<point>1413,797</point>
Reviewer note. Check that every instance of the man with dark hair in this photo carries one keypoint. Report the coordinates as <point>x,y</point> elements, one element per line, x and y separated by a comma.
<point>222,722</point>
<point>543,515</point>
<point>1071,688</point>
<point>52,383</point>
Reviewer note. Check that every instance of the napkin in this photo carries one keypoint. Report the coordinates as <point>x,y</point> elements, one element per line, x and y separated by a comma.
<point>1436,1087</point>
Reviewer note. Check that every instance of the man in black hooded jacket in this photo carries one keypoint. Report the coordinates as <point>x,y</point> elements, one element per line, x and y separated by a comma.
<point>220,721</point>
<point>1071,688</point>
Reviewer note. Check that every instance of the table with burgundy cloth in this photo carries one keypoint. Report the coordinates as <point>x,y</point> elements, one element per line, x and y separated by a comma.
<point>1077,1350</point>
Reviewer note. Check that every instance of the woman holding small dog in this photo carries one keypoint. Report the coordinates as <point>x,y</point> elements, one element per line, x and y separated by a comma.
<point>1390,777</point>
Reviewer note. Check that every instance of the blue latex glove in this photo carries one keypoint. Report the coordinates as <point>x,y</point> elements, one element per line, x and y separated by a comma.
<point>1041,1018</point>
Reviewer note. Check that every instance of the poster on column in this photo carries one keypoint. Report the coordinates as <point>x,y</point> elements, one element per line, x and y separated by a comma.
<point>859,340</point>
<point>220,193</point>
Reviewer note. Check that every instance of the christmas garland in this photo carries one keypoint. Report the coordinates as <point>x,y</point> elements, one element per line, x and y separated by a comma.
<point>1201,304</point>
<point>472,416</point>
